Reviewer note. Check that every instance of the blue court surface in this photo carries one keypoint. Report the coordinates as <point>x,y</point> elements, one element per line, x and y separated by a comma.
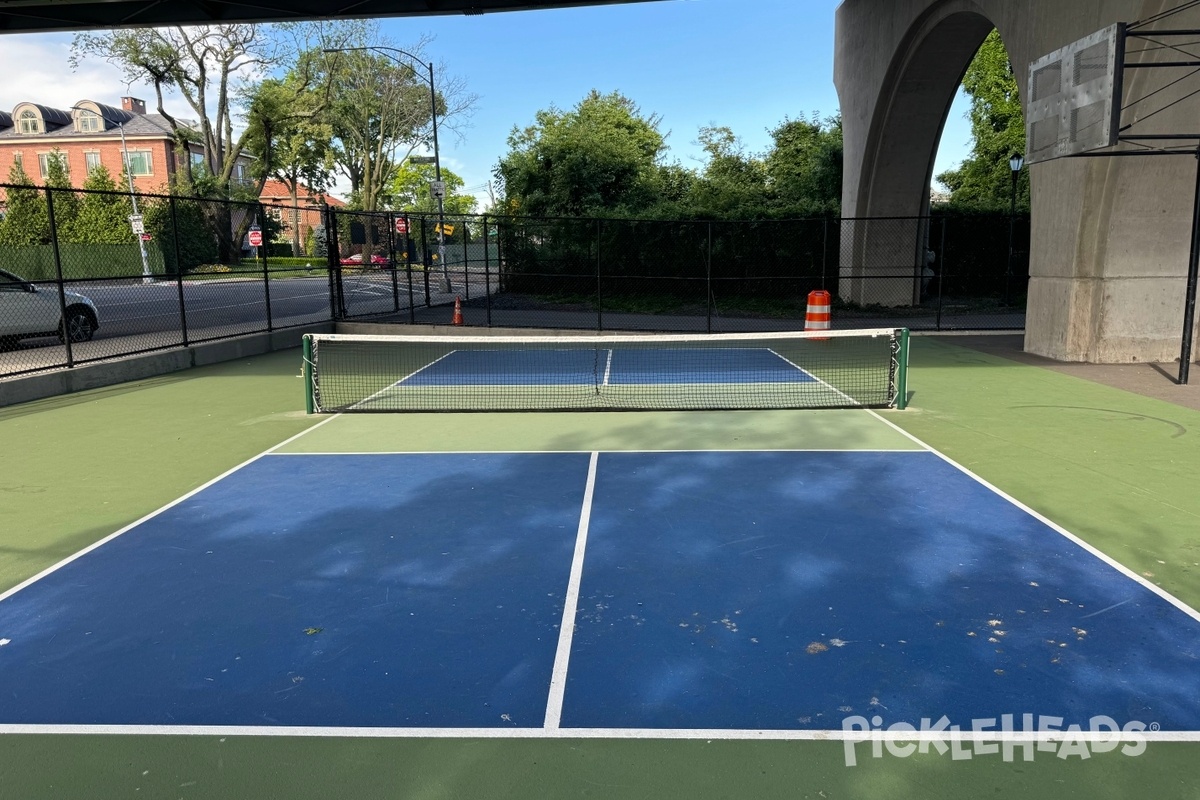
<point>718,591</point>
<point>609,366</point>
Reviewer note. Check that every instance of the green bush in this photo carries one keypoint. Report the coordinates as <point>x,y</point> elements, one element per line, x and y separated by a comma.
<point>35,262</point>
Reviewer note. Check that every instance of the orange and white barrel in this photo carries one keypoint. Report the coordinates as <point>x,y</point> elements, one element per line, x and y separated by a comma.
<point>817,317</point>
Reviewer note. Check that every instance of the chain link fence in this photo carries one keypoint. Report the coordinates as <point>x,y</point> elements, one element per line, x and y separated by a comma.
<point>91,275</point>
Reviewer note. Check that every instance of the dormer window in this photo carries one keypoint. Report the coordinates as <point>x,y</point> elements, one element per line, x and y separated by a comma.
<point>87,121</point>
<point>30,122</point>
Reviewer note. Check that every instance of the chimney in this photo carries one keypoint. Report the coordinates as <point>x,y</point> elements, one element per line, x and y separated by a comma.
<point>134,105</point>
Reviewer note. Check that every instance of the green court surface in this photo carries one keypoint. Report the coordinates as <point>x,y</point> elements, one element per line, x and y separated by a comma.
<point>1116,469</point>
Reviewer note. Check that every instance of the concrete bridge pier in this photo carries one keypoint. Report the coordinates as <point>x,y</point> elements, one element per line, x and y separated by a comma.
<point>1110,237</point>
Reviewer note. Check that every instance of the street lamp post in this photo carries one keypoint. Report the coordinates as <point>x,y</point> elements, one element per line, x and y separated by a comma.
<point>146,276</point>
<point>133,201</point>
<point>439,193</point>
<point>1015,162</point>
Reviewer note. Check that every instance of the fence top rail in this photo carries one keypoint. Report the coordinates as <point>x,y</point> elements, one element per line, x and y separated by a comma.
<point>250,204</point>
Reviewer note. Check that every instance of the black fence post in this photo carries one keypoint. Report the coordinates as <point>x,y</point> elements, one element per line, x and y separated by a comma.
<point>941,274</point>
<point>466,260</point>
<point>266,274</point>
<point>599,290</point>
<point>391,219</point>
<point>487,270</point>
<point>183,327</point>
<point>824,249</point>
<point>708,276</point>
<point>426,262</point>
<point>58,272</point>
<point>333,263</point>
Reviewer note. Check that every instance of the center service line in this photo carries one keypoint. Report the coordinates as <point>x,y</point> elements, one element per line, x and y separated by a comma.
<point>566,631</point>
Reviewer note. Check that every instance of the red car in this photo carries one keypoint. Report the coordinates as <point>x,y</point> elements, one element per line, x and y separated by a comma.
<point>357,260</point>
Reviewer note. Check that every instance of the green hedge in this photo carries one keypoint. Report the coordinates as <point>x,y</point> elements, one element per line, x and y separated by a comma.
<point>35,262</point>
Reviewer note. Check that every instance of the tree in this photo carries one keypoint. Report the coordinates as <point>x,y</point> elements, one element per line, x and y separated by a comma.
<point>293,146</point>
<point>103,216</point>
<point>600,158</point>
<point>381,112</point>
<point>66,201</point>
<point>733,184</point>
<point>997,131</point>
<point>410,191</point>
<point>217,69</point>
<point>26,220</point>
<point>804,167</point>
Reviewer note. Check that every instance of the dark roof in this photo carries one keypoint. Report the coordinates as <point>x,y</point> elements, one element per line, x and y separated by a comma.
<point>137,125</point>
<point>55,15</point>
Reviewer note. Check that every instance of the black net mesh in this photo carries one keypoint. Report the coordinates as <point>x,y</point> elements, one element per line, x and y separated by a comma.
<point>840,369</point>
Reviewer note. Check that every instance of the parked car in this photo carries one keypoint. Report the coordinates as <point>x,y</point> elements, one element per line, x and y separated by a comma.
<point>356,260</point>
<point>28,310</point>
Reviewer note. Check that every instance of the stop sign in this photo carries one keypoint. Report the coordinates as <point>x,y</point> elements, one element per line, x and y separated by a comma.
<point>255,237</point>
<point>401,225</point>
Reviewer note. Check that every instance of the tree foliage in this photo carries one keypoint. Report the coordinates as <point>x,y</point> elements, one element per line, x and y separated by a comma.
<point>409,191</point>
<point>102,218</point>
<point>606,158</point>
<point>382,111</point>
<point>601,157</point>
<point>984,179</point>
<point>26,220</point>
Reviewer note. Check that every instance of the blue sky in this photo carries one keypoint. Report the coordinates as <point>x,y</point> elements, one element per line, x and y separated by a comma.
<point>745,64</point>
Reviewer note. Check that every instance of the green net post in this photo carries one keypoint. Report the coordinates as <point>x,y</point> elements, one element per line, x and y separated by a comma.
<point>902,372</point>
<point>308,375</point>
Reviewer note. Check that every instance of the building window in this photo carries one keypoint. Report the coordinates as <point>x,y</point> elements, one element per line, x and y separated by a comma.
<point>87,122</point>
<point>19,159</point>
<point>30,122</point>
<point>46,159</point>
<point>92,160</point>
<point>140,162</point>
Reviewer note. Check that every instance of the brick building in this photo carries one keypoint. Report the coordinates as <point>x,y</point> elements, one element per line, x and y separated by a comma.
<point>90,134</point>
<point>295,220</point>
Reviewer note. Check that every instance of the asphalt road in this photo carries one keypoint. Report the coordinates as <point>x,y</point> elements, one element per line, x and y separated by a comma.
<point>136,316</point>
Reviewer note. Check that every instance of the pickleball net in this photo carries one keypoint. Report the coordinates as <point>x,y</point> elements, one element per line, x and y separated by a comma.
<point>821,369</point>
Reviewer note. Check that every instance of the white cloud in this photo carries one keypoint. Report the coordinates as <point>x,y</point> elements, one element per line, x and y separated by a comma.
<point>42,62</point>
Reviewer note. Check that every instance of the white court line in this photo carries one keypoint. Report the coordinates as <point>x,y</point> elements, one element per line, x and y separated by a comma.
<point>608,366</point>
<point>824,383</point>
<point>566,631</point>
<point>402,380</point>
<point>594,733</point>
<point>1118,566</point>
<point>918,451</point>
<point>49,570</point>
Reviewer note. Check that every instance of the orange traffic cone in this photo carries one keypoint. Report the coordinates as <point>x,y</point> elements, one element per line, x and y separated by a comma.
<point>817,316</point>
<point>457,311</point>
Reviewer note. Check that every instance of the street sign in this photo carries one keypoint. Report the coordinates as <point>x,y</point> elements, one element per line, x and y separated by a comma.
<point>445,230</point>
<point>147,237</point>
<point>438,189</point>
<point>255,236</point>
<point>401,225</point>
<point>137,223</point>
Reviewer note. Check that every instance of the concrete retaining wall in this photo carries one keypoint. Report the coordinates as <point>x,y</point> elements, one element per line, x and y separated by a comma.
<point>25,388</point>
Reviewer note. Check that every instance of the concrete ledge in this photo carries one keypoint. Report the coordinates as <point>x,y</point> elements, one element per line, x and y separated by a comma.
<point>26,388</point>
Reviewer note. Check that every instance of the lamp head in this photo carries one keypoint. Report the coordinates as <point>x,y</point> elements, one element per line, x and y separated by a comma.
<point>1016,161</point>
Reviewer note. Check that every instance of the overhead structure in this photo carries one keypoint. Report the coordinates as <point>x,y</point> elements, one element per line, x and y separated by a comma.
<point>1110,247</point>
<point>28,16</point>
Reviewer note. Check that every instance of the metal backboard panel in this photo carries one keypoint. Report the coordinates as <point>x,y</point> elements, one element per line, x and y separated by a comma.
<point>1074,97</point>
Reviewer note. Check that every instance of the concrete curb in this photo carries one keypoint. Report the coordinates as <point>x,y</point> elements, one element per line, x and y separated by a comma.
<point>26,388</point>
